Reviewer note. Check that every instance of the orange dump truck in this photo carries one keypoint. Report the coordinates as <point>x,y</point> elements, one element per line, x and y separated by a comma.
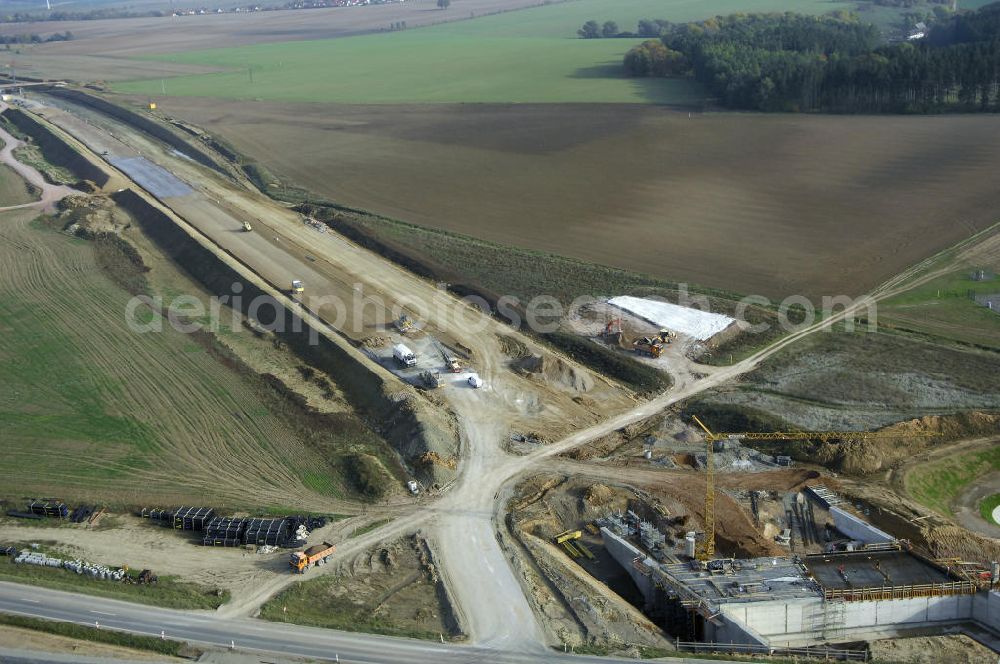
<point>314,555</point>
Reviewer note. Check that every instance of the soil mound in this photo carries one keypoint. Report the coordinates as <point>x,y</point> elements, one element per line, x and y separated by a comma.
<point>598,494</point>
<point>556,372</point>
<point>858,457</point>
<point>89,216</point>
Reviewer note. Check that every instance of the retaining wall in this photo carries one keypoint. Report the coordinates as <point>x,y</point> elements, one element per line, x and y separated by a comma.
<point>858,529</point>
<point>624,553</point>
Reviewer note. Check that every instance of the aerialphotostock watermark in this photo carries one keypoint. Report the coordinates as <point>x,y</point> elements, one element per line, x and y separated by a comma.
<point>366,313</point>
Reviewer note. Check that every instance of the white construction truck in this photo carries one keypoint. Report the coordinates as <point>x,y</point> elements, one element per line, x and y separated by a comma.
<point>404,356</point>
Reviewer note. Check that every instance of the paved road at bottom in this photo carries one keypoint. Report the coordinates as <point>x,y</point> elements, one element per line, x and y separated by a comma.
<point>205,628</point>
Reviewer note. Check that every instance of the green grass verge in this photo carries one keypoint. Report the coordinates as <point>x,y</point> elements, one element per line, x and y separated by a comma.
<point>936,484</point>
<point>358,532</point>
<point>312,603</point>
<point>945,308</point>
<point>110,637</point>
<point>168,591</point>
<point>14,190</point>
<point>987,506</point>
<point>485,60</point>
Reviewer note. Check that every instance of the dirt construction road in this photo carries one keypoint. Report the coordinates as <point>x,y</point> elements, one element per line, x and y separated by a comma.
<point>51,193</point>
<point>571,411</point>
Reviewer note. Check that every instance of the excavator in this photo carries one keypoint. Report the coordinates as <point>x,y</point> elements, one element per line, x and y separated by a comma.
<point>450,361</point>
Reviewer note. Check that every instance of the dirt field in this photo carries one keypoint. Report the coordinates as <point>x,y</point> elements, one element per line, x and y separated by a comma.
<point>392,589</point>
<point>817,205</point>
<point>956,649</point>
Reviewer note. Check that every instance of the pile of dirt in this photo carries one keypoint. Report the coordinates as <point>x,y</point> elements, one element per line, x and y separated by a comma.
<point>577,594</point>
<point>954,648</point>
<point>963,425</point>
<point>89,216</point>
<point>556,372</point>
<point>512,347</point>
<point>376,341</point>
<point>856,457</point>
<point>435,459</point>
<point>416,428</point>
<point>957,542</point>
<point>598,494</point>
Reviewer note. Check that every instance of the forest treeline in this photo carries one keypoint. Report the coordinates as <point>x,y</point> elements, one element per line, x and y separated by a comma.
<point>834,63</point>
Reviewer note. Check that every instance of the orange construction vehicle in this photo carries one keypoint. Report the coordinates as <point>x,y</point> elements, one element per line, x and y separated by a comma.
<point>300,561</point>
<point>651,346</point>
<point>613,332</point>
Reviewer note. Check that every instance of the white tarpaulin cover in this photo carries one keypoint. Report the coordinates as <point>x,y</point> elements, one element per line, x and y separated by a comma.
<point>701,325</point>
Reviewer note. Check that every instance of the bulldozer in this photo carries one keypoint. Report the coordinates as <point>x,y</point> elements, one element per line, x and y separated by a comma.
<point>247,227</point>
<point>403,324</point>
<point>430,379</point>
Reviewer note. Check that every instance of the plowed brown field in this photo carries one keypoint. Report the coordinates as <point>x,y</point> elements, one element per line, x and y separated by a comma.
<point>770,204</point>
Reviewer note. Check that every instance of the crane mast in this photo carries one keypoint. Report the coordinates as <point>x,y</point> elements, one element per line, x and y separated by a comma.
<point>706,549</point>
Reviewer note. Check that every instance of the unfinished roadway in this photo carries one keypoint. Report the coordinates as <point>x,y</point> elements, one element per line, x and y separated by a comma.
<point>487,594</point>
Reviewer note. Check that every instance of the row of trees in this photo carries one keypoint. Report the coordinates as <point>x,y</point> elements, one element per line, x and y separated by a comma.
<point>788,62</point>
<point>592,30</point>
<point>647,28</point>
<point>35,38</point>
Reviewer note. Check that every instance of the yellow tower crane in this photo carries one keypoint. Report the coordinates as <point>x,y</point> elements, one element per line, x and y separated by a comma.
<point>706,549</point>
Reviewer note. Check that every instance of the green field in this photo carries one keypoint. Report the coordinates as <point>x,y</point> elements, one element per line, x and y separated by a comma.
<point>91,410</point>
<point>167,591</point>
<point>945,308</point>
<point>520,57</point>
<point>13,189</point>
<point>935,484</point>
<point>986,508</point>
